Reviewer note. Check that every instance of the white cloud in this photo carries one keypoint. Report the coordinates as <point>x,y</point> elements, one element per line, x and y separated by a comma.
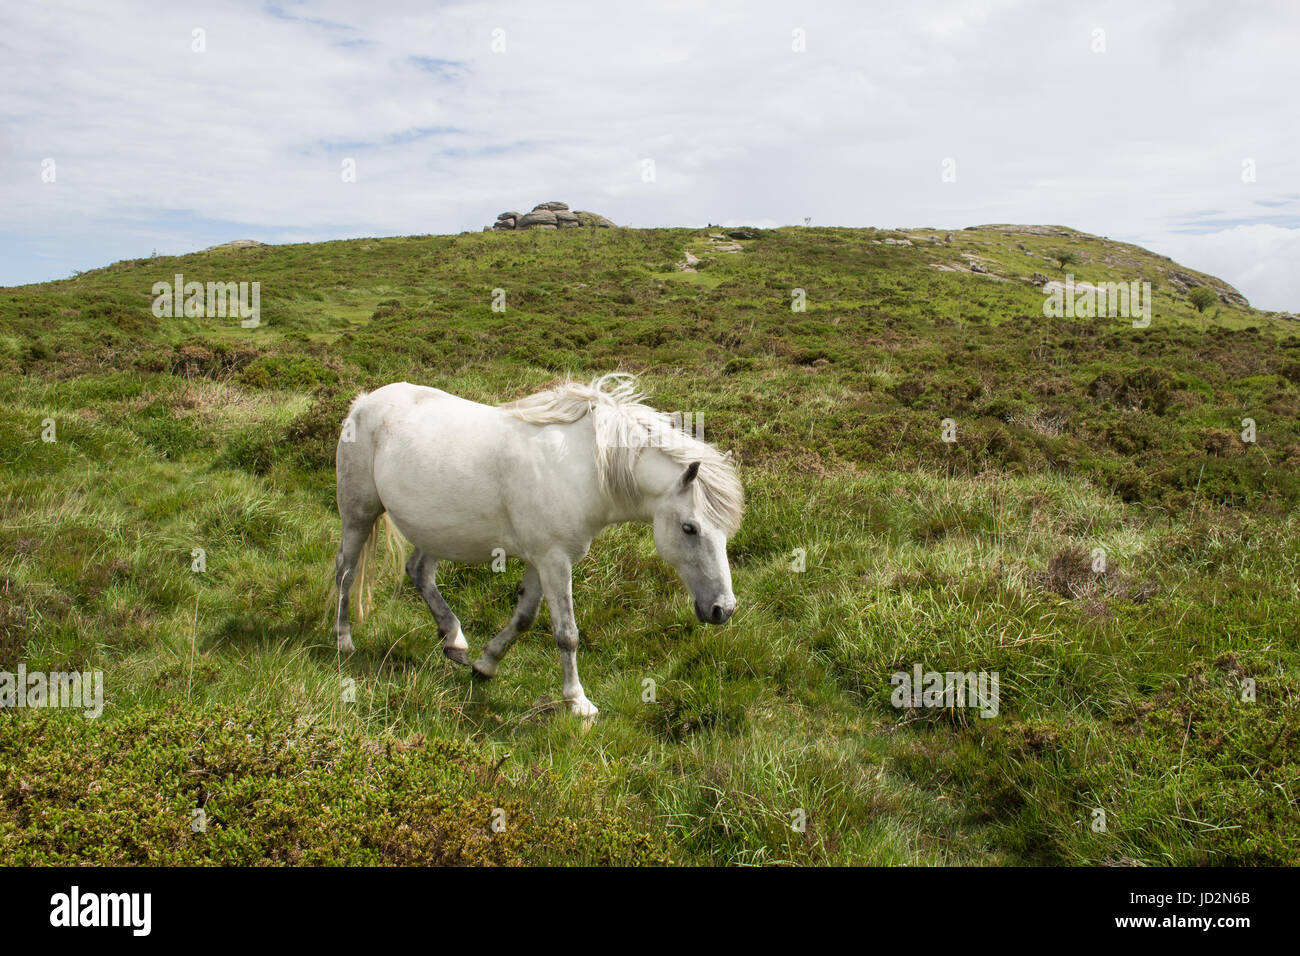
<point>1260,258</point>
<point>161,147</point>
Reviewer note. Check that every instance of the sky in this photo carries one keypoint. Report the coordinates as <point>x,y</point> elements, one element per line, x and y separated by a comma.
<point>132,128</point>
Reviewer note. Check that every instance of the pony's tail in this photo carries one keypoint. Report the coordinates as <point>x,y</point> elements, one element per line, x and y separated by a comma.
<point>361,589</point>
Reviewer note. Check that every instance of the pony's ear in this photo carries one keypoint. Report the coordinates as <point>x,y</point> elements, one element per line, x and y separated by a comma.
<point>692,470</point>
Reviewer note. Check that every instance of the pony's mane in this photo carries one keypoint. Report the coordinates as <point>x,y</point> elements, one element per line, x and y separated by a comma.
<point>623,426</point>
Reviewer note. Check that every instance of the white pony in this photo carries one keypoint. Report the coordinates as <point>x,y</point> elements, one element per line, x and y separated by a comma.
<point>536,479</point>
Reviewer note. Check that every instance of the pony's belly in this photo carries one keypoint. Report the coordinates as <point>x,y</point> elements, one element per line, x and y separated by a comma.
<point>453,541</point>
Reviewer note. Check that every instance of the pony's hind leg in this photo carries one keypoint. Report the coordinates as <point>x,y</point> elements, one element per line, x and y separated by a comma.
<point>421,570</point>
<point>359,509</point>
<point>356,533</point>
<point>530,599</point>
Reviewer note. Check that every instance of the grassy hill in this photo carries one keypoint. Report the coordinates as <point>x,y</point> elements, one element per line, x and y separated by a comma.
<point>1121,690</point>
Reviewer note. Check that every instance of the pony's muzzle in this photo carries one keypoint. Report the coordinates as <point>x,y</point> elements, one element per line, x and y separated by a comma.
<point>718,613</point>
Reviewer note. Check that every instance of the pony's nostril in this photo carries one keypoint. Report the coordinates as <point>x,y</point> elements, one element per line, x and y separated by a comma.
<point>718,614</point>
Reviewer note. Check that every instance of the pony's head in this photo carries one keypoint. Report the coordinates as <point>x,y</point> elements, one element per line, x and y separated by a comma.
<point>644,460</point>
<point>691,538</point>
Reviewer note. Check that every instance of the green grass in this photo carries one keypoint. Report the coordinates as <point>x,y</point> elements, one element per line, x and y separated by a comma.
<point>1121,691</point>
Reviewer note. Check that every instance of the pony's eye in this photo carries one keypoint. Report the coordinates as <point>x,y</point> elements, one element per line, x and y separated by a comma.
<point>689,528</point>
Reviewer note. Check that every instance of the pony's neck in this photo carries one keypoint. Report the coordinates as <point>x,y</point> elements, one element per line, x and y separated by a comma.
<point>655,474</point>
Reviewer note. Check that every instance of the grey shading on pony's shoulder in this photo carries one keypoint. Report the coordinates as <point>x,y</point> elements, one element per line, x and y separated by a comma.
<point>538,479</point>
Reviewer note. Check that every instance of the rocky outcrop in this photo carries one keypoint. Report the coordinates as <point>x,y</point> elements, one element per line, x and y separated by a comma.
<point>538,217</point>
<point>550,215</point>
<point>236,244</point>
<point>1184,283</point>
<point>1023,230</point>
<point>594,220</point>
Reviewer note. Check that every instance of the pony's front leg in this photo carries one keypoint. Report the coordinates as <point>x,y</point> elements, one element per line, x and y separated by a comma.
<point>557,583</point>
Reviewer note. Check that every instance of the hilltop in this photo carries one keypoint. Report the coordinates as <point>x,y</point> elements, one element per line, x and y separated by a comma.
<point>329,287</point>
<point>1112,530</point>
<point>901,325</point>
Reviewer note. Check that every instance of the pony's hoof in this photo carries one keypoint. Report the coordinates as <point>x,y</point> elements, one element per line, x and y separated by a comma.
<point>584,708</point>
<point>483,671</point>
<point>345,645</point>
<point>457,655</point>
